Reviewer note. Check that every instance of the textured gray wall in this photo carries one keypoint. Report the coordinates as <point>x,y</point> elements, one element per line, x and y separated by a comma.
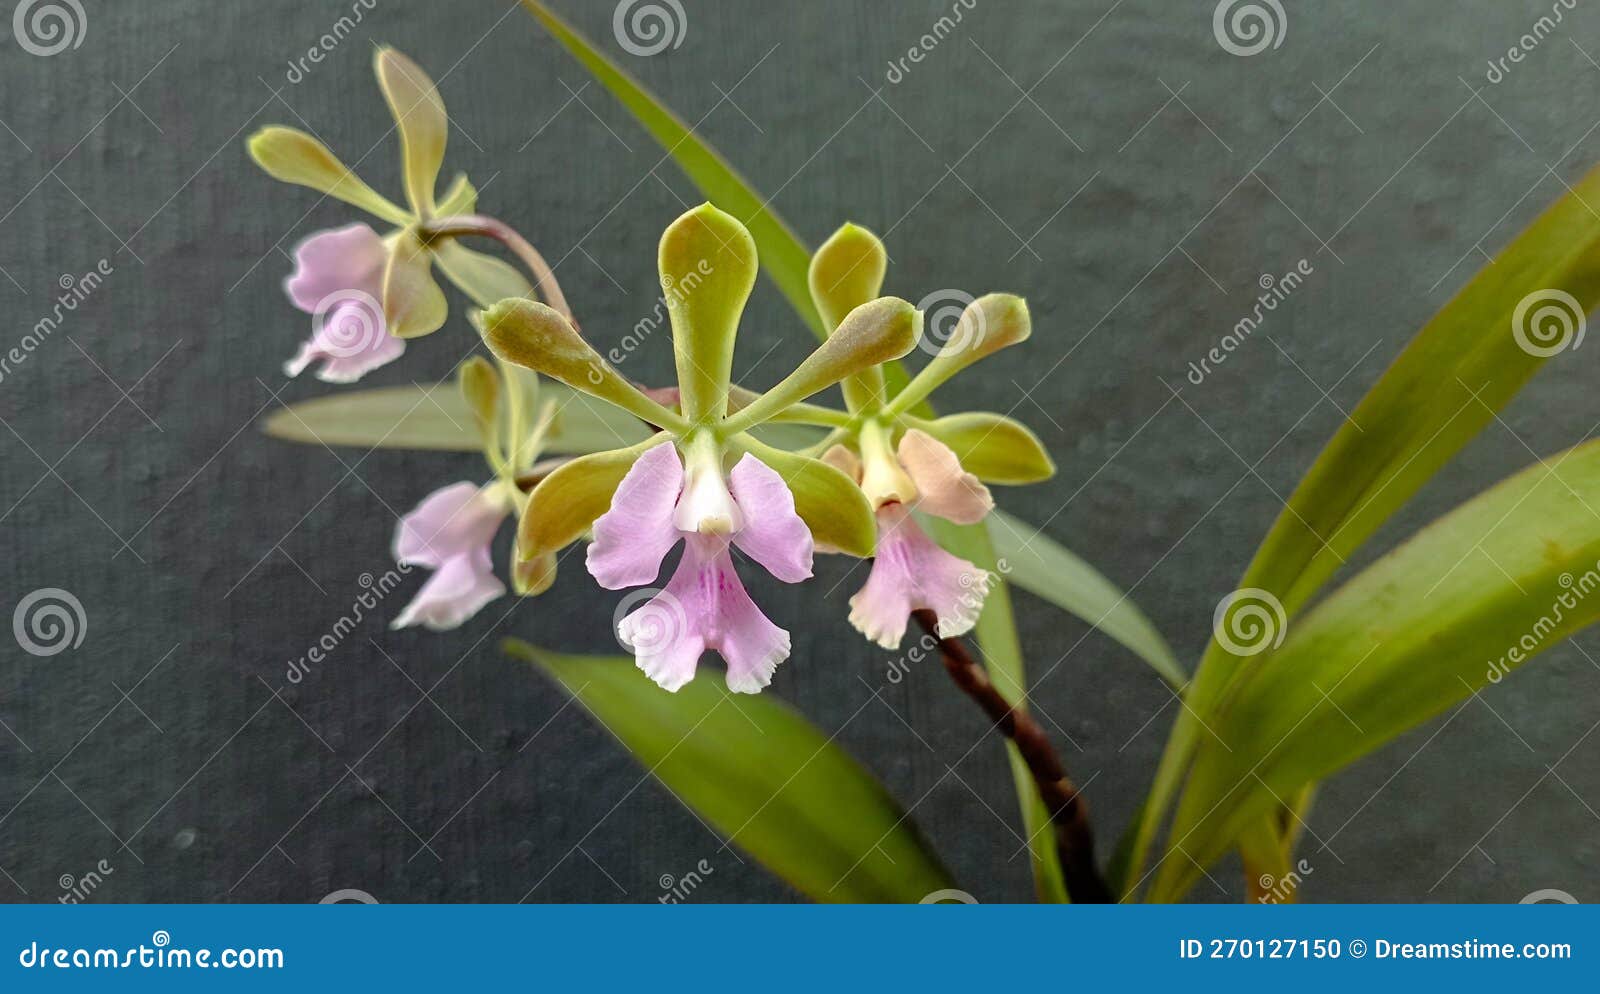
<point>1135,196</point>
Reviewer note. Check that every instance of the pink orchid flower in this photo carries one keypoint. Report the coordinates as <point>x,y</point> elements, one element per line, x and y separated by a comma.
<point>704,605</point>
<point>910,571</point>
<point>450,533</point>
<point>338,280</point>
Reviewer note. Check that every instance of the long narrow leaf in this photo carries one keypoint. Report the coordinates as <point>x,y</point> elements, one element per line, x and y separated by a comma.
<point>1467,600</point>
<point>1040,565</point>
<point>761,774</point>
<point>1462,367</point>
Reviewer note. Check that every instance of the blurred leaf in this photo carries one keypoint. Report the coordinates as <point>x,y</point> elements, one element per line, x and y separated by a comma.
<point>1038,564</point>
<point>437,417</point>
<point>1465,601</point>
<point>1463,366</point>
<point>760,773</point>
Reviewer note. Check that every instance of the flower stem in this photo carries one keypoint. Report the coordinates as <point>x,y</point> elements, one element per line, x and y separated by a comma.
<point>488,227</point>
<point>1069,812</point>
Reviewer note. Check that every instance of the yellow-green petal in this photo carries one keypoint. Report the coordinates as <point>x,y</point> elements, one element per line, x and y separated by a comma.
<point>413,304</point>
<point>708,267</point>
<point>461,197</point>
<point>292,156</point>
<point>531,334</point>
<point>828,501</point>
<point>992,447</point>
<point>876,332</point>
<point>419,114</point>
<point>846,272</point>
<point>565,504</point>
<point>484,278</point>
<point>989,324</point>
<point>480,387</point>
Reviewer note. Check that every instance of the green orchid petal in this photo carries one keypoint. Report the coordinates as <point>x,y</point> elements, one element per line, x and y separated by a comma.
<point>992,447</point>
<point>292,156</point>
<point>480,387</point>
<point>565,504</point>
<point>460,198</point>
<point>482,277</point>
<point>708,267</point>
<point>800,414</point>
<point>532,577</point>
<point>846,272</point>
<point>531,334</point>
<point>420,116</point>
<point>413,304</point>
<point>827,500</point>
<point>989,324</point>
<point>876,332</point>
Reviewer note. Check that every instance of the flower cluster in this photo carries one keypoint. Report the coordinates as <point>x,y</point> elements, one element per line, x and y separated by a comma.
<point>702,477</point>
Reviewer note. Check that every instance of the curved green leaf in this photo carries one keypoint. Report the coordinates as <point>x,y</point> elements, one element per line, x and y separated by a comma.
<point>1467,600</point>
<point>437,417</point>
<point>1461,368</point>
<point>761,774</point>
<point>1036,563</point>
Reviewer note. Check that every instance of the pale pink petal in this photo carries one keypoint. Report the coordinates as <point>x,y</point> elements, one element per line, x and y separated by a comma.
<point>912,572</point>
<point>632,538</point>
<point>450,522</point>
<point>456,591</point>
<point>843,460</point>
<point>946,490</point>
<point>341,259</point>
<point>773,534</point>
<point>705,606</point>
<point>350,339</point>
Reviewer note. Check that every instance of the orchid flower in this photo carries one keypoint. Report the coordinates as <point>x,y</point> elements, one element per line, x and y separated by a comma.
<point>451,531</point>
<point>904,463</point>
<point>367,293</point>
<point>703,480</point>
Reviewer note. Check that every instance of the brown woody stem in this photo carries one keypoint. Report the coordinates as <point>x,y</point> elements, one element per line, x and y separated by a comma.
<point>1069,815</point>
<point>488,227</point>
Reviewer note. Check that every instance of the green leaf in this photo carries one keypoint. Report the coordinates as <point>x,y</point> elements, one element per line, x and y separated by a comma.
<point>762,775</point>
<point>437,417</point>
<point>1467,600</point>
<point>1036,563</point>
<point>1463,366</point>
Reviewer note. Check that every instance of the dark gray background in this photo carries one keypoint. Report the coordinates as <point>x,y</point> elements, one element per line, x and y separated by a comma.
<point>207,556</point>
